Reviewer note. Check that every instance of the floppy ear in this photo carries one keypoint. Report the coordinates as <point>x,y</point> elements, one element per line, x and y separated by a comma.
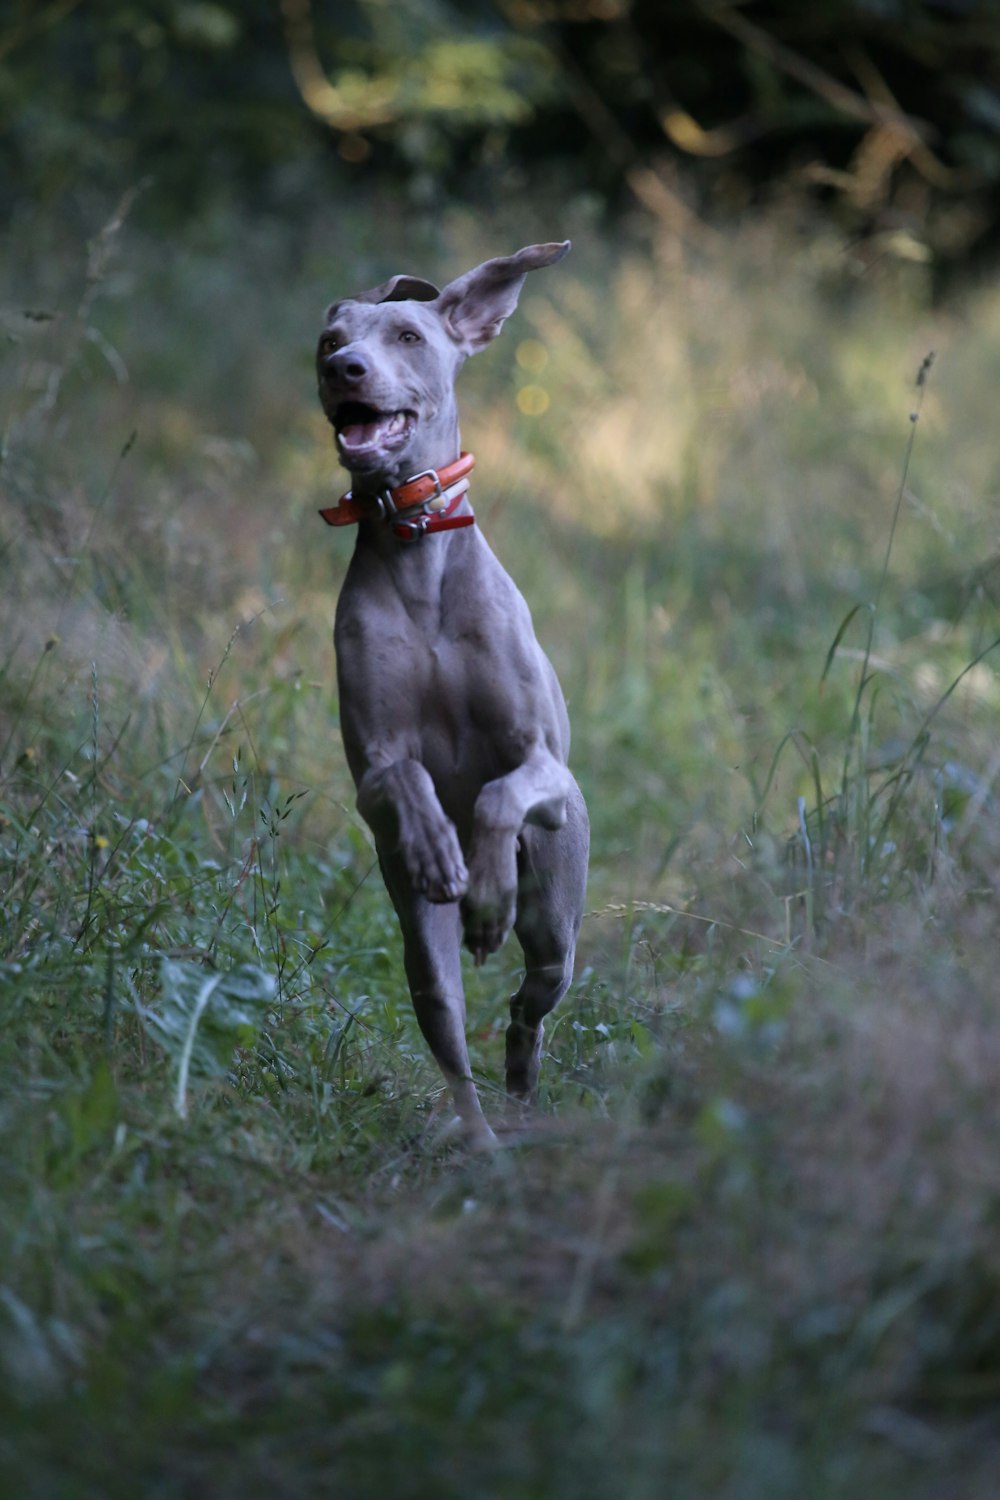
<point>396,289</point>
<point>476,305</point>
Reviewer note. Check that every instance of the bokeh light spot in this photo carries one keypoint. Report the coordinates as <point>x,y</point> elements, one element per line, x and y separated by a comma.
<point>532,400</point>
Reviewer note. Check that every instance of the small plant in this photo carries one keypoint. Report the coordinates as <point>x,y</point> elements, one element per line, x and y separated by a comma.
<point>201,1018</point>
<point>849,844</point>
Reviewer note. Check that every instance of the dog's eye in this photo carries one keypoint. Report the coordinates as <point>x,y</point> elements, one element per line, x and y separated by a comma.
<point>409,337</point>
<point>329,343</point>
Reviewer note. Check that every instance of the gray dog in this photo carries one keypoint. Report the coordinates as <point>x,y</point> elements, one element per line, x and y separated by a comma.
<point>454,725</point>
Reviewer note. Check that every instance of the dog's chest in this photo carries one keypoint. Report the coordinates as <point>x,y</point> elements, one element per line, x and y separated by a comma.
<point>470,706</point>
<point>448,667</point>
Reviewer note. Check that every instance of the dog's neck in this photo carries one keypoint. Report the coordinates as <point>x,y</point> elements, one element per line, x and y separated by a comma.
<point>428,503</point>
<point>417,568</point>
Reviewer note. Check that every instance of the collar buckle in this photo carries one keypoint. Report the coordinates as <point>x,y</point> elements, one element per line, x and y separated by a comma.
<point>436,499</point>
<point>388,510</point>
<point>411,528</point>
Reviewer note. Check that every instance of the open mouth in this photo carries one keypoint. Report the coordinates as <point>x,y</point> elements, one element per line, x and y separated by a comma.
<point>363,430</point>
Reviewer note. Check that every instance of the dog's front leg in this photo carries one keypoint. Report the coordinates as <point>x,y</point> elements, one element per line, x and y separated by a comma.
<point>425,874</point>
<point>536,792</point>
<point>401,807</point>
<point>433,972</point>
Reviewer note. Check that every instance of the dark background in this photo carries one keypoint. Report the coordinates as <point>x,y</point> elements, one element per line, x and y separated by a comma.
<point>885,112</point>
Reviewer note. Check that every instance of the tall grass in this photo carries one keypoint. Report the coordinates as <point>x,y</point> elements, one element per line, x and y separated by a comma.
<point>849,843</point>
<point>750,1250</point>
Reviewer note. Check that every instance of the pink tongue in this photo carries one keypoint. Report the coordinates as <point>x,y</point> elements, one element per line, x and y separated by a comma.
<point>360,434</point>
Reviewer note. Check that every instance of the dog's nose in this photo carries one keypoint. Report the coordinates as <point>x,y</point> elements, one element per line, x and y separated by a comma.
<point>348,366</point>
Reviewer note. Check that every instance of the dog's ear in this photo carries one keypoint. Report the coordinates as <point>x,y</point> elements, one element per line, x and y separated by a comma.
<point>399,289</point>
<point>476,305</point>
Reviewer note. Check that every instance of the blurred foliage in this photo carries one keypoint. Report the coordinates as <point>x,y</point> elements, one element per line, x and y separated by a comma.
<point>889,110</point>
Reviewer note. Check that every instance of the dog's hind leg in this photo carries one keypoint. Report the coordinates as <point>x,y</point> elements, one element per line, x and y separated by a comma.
<point>553,877</point>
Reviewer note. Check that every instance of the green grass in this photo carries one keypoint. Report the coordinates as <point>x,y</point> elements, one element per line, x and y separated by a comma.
<point>751,1251</point>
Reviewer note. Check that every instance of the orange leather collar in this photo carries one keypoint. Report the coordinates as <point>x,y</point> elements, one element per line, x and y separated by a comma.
<point>422,504</point>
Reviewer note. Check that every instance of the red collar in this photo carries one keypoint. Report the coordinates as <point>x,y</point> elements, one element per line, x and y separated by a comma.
<point>425,503</point>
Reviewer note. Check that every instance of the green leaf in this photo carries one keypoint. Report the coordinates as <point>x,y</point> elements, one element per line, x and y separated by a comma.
<point>204,1016</point>
<point>841,631</point>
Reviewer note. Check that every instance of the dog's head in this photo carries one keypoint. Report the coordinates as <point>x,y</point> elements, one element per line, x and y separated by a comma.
<point>387,361</point>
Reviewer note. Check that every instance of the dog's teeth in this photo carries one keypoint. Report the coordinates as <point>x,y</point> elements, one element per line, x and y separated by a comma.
<point>357,432</point>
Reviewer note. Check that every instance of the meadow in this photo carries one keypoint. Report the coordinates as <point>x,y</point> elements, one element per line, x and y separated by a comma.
<point>750,1249</point>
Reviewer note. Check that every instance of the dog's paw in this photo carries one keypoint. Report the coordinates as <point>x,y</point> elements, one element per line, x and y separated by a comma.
<point>471,1135</point>
<point>485,929</point>
<point>434,859</point>
<point>490,902</point>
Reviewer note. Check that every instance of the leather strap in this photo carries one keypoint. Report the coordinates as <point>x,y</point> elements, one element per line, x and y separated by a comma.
<point>424,487</point>
<point>346,512</point>
<point>422,524</point>
<point>420,491</point>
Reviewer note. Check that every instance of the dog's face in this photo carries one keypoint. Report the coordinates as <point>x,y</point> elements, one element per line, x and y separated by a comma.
<point>386,383</point>
<point>387,361</point>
